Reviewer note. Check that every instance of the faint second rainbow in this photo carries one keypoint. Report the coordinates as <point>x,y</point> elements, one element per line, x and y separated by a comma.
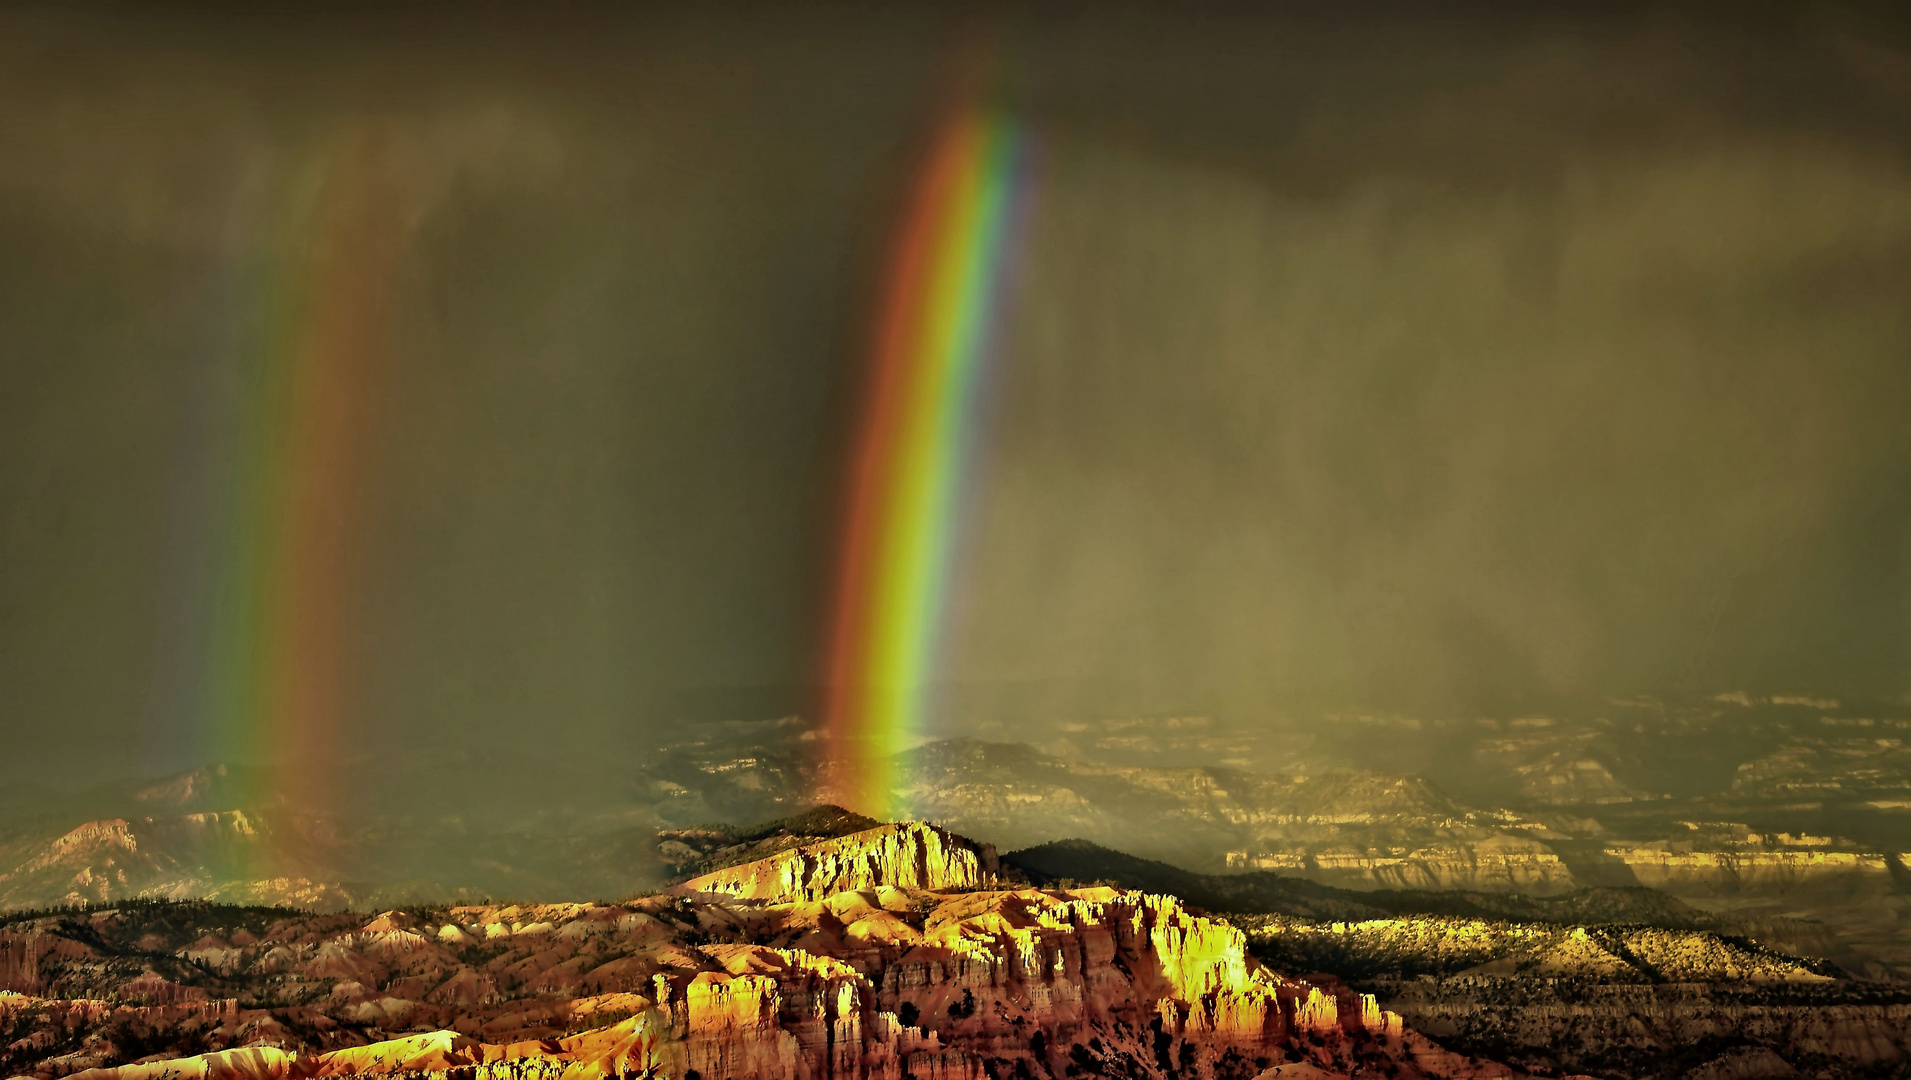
<point>277,464</point>
<point>943,297</point>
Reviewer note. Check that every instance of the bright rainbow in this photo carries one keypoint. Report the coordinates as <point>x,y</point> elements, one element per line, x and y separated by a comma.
<point>911,460</point>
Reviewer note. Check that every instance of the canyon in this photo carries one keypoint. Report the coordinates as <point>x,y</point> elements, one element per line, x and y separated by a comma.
<point>1673,889</point>
<point>1726,801</point>
<point>909,950</point>
<point>889,953</point>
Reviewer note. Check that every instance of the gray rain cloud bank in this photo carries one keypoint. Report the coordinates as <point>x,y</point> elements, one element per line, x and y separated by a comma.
<point>1632,427</point>
<point>1436,364</point>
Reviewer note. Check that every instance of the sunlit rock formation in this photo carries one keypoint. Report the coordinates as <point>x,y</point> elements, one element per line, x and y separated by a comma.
<point>1494,862</point>
<point>1688,872</point>
<point>912,856</point>
<point>924,968</point>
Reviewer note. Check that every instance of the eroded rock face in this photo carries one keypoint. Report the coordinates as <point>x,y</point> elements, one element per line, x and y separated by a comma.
<point>782,979</point>
<point>1709,873</point>
<point>905,856</point>
<point>1486,861</point>
<point>888,986</point>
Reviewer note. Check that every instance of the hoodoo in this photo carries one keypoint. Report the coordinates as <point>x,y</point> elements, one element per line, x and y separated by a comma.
<point>890,953</point>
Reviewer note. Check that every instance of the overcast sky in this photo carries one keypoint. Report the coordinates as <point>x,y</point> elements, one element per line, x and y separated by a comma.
<point>1469,363</point>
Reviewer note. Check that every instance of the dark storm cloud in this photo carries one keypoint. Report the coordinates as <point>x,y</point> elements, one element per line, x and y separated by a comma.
<point>1479,365</point>
<point>1437,363</point>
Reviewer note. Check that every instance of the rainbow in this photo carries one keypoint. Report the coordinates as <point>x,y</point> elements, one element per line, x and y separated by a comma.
<point>279,463</point>
<point>944,294</point>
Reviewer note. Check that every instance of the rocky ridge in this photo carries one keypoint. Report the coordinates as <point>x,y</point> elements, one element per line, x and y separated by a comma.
<point>915,856</point>
<point>1251,898</point>
<point>1621,982</point>
<point>926,966</point>
<point>1753,808</point>
<point>701,849</point>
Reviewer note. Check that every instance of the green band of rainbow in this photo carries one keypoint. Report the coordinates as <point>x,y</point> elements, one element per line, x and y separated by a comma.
<point>913,452</point>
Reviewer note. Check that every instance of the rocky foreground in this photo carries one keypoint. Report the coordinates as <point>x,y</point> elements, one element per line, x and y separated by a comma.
<point>889,953</point>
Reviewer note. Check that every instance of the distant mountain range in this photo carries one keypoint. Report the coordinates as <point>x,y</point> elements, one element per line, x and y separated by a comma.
<point>1793,810</point>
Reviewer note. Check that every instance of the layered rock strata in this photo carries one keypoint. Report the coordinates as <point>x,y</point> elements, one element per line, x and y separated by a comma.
<point>1495,863</point>
<point>1703,873</point>
<point>915,856</point>
<point>787,984</point>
